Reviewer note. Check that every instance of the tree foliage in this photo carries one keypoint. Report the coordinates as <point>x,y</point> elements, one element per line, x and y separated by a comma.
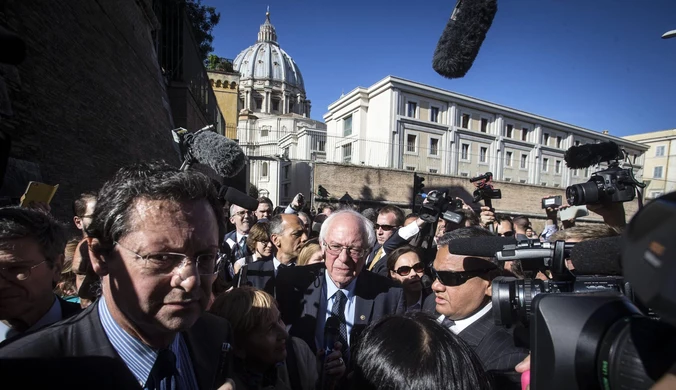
<point>215,62</point>
<point>203,20</point>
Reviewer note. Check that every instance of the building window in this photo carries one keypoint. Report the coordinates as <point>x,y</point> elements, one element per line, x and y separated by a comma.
<point>558,166</point>
<point>586,172</point>
<point>434,114</point>
<point>291,107</point>
<point>659,151</point>
<point>483,151</point>
<point>434,146</point>
<point>558,142</point>
<point>545,164</point>
<point>259,103</point>
<point>285,190</point>
<point>508,179</point>
<point>347,153</point>
<point>657,173</point>
<point>285,172</point>
<point>524,160</point>
<point>575,172</point>
<point>320,145</point>
<point>434,170</point>
<point>464,121</point>
<point>545,139</point>
<point>412,107</point>
<point>264,131</point>
<point>522,181</point>
<point>264,170</point>
<point>410,168</point>
<point>508,159</point>
<point>524,134</point>
<point>411,140</point>
<point>508,131</point>
<point>544,184</point>
<point>484,125</point>
<point>464,174</point>
<point>577,143</point>
<point>275,105</point>
<point>347,126</point>
<point>557,185</point>
<point>464,152</point>
<point>656,194</point>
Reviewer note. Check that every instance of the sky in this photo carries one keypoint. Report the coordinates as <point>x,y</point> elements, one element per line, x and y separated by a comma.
<point>598,64</point>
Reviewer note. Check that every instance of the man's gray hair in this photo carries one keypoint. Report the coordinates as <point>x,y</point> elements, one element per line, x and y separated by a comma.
<point>276,225</point>
<point>20,222</point>
<point>366,226</point>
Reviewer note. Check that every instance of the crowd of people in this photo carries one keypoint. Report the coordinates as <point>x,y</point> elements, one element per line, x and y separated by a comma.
<point>155,292</point>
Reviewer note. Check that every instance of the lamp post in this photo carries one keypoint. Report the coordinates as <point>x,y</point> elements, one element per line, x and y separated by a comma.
<point>669,34</point>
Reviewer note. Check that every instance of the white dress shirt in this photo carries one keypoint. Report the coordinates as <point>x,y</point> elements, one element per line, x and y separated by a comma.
<point>464,323</point>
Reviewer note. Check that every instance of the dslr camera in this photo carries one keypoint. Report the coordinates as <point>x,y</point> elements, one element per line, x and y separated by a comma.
<point>614,184</point>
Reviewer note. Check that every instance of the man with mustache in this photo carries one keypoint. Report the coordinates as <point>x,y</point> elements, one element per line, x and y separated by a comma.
<point>153,240</point>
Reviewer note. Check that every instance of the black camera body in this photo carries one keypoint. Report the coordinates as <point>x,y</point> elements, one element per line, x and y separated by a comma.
<point>441,205</point>
<point>609,185</point>
<point>484,189</point>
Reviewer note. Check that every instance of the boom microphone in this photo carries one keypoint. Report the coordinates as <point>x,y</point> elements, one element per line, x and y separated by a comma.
<point>598,257</point>
<point>591,154</point>
<point>461,39</point>
<point>221,154</point>
<point>479,246</point>
<point>234,196</point>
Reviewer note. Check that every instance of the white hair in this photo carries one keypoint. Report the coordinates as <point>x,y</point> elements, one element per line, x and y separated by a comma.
<point>366,226</point>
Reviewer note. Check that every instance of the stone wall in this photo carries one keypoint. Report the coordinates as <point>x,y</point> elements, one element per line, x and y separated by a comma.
<point>377,186</point>
<point>89,97</point>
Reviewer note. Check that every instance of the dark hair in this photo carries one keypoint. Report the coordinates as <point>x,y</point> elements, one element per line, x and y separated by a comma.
<point>152,181</point>
<point>470,216</point>
<point>398,213</point>
<point>466,232</point>
<point>521,221</point>
<point>415,352</point>
<point>397,253</point>
<point>264,199</point>
<point>371,214</point>
<point>500,218</point>
<point>80,204</point>
<point>20,222</point>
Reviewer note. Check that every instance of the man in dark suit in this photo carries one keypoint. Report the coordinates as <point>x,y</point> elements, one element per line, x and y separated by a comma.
<point>154,242</point>
<point>31,257</point>
<point>390,219</point>
<point>309,295</point>
<point>462,289</point>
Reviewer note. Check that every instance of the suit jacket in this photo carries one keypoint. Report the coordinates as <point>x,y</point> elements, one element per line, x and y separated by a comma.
<point>82,337</point>
<point>301,289</point>
<point>68,309</point>
<point>231,240</point>
<point>392,243</point>
<point>260,274</point>
<point>497,349</point>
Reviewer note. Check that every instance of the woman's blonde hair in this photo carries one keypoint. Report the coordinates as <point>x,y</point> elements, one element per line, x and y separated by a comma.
<point>309,248</point>
<point>246,308</point>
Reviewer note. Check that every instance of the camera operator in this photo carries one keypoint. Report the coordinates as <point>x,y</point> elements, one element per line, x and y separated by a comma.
<point>463,289</point>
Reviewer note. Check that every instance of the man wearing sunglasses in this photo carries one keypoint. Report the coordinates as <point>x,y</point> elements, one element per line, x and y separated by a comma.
<point>462,294</point>
<point>154,241</point>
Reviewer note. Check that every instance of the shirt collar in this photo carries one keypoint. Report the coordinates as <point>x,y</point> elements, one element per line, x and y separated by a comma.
<point>53,315</point>
<point>239,236</point>
<point>464,323</point>
<point>416,306</point>
<point>331,288</point>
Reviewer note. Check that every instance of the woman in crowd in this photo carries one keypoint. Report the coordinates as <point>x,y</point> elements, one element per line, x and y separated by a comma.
<point>261,346</point>
<point>310,253</point>
<point>259,243</point>
<point>415,352</point>
<point>405,267</point>
<point>66,288</point>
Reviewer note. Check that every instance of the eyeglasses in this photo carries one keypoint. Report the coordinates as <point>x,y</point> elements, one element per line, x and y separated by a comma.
<point>336,250</point>
<point>165,263</point>
<point>452,278</point>
<point>385,228</point>
<point>243,213</point>
<point>404,270</point>
<point>19,273</point>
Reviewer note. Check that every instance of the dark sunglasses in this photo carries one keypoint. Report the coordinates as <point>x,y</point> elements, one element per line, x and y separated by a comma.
<point>451,278</point>
<point>507,234</point>
<point>386,228</point>
<point>404,270</point>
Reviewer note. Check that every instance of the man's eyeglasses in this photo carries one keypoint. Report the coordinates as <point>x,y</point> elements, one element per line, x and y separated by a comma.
<point>165,263</point>
<point>385,228</point>
<point>19,273</point>
<point>336,250</point>
<point>453,278</point>
<point>243,213</point>
<point>404,270</point>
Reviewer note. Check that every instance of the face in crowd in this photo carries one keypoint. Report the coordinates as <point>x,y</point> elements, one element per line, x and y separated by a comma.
<point>345,245</point>
<point>242,218</point>
<point>290,241</point>
<point>386,226</point>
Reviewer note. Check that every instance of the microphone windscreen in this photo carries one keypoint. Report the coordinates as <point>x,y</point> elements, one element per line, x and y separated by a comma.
<point>222,154</point>
<point>461,39</point>
<point>241,199</point>
<point>598,257</point>
<point>479,246</point>
<point>584,156</point>
<point>331,331</point>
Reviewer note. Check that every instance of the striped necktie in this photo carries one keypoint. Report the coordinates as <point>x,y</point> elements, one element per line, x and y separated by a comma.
<point>377,257</point>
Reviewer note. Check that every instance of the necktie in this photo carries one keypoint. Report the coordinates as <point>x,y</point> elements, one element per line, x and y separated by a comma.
<point>447,322</point>
<point>164,367</point>
<point>338,310</point>
<point>377,257</point>
<point>286,265</point>
<point>239,252</point>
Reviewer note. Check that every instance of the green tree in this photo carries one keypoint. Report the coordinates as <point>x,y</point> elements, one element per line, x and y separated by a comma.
<point>215,62</point>
<point>203,20</point>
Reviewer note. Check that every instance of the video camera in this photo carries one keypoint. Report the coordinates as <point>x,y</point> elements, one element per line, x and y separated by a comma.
<point>484,189</point>
<point>441,205</point>
<point>613,184</point>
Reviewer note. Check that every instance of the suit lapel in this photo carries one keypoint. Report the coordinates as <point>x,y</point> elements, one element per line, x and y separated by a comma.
<point>363,307</point>
<point>313,298</point>
<point>474,333</point>
<point>205,353</point>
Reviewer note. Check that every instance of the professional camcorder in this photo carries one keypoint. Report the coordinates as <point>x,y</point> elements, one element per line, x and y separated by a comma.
<point>614,184</point>
<point>484,189</point>
<point>441,205</point>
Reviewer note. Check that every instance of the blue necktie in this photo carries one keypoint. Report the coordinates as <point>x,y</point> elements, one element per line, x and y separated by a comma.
<point>338,310</point>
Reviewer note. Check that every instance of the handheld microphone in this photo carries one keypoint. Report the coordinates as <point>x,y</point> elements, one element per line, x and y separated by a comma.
<point>461,39</point>
<point>221,154</point>
<point>591,154</point>
<point>331,335</point>
<point>479,246</point>
<point>598,257</point>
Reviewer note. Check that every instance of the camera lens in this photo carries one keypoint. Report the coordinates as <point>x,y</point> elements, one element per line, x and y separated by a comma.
<point>512,299</point>
<point>585,193</point>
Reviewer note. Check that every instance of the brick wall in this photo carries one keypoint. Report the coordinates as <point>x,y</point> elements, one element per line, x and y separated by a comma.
<point>382,186</point>
<point>89,97</point>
